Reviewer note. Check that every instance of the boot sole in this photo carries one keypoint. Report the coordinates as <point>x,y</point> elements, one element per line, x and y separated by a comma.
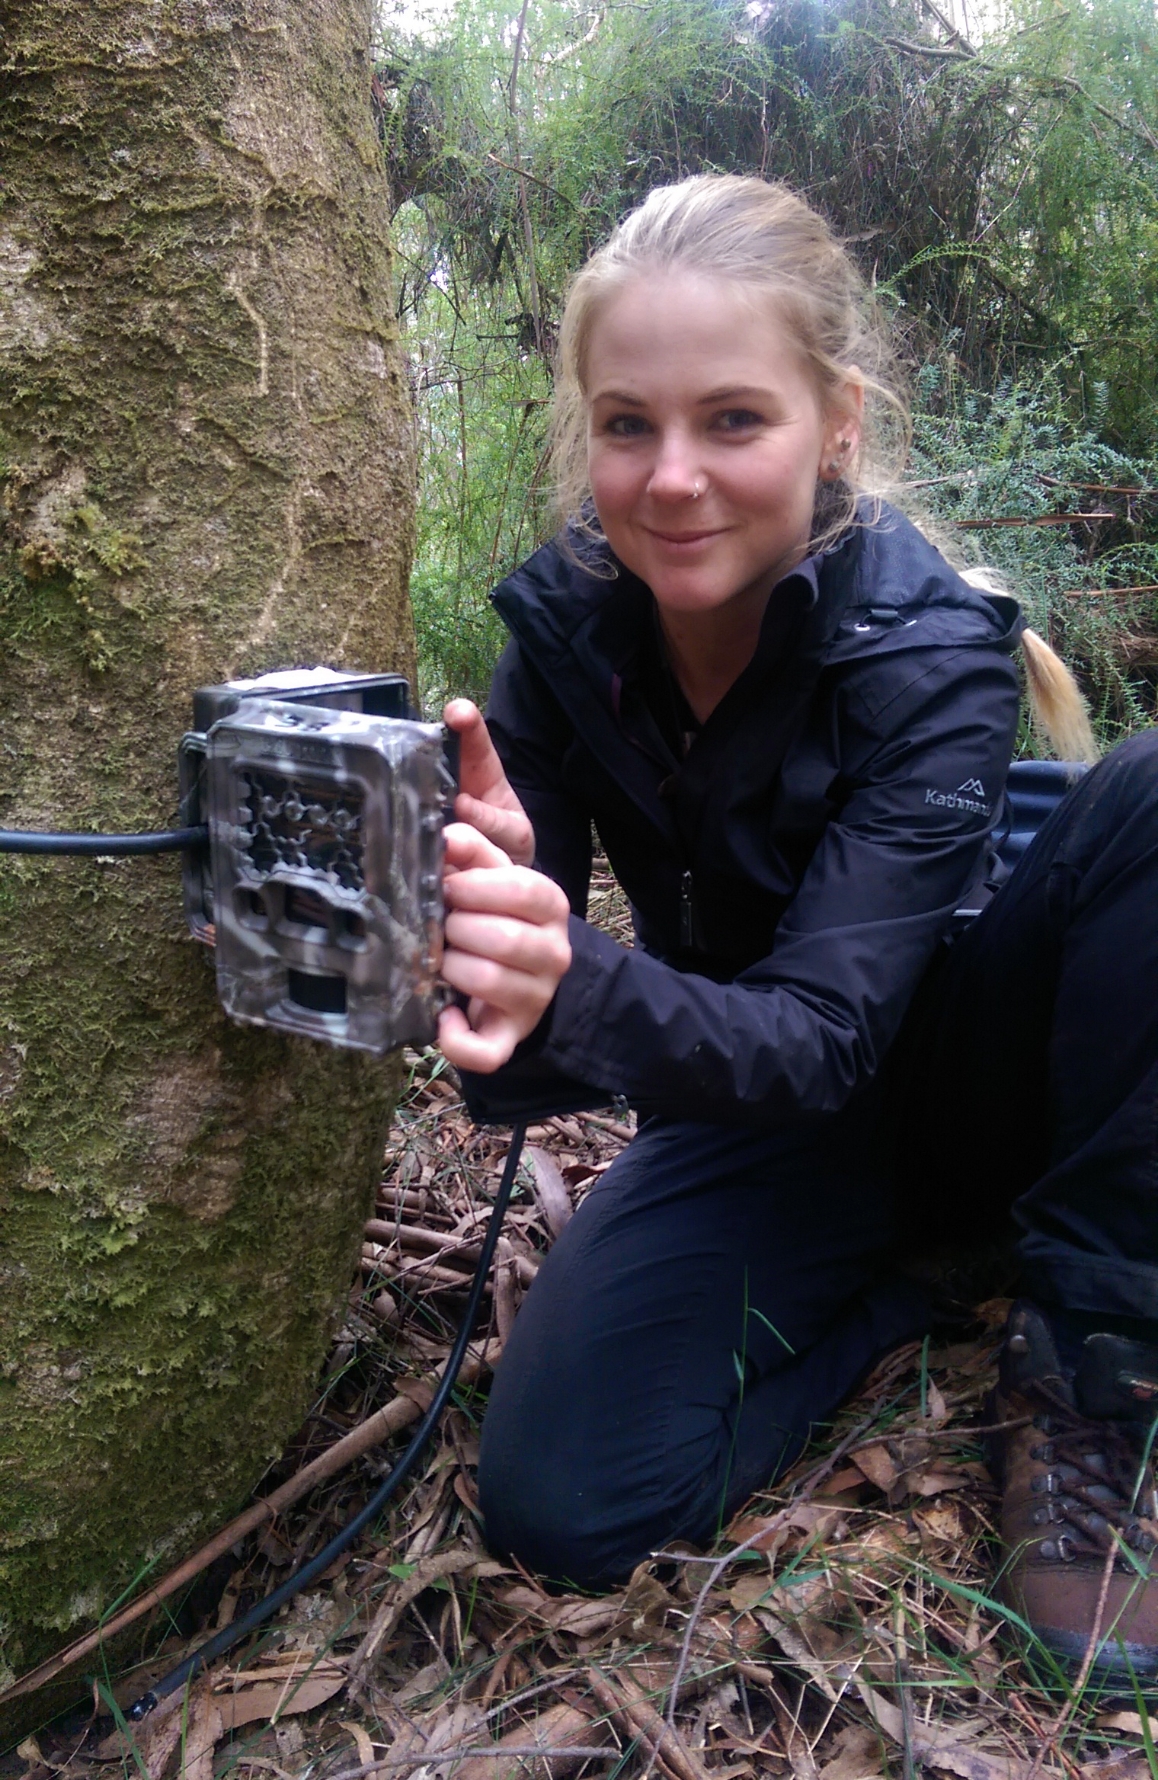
<point>1114,1660</point>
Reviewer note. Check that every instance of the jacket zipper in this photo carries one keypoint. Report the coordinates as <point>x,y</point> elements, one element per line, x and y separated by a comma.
<point>687,912</point>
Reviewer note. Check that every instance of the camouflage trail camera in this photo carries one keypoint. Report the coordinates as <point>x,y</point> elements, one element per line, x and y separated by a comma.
<point>322,880</point>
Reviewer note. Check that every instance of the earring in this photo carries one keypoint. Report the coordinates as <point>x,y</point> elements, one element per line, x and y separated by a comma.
<point>833,466</point>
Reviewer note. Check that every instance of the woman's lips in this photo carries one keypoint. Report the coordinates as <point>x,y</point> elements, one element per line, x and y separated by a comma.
<point>682,537</point>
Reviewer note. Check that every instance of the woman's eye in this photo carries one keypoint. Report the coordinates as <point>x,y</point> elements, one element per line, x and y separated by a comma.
<point>626,426</point>
<point>738,420</point>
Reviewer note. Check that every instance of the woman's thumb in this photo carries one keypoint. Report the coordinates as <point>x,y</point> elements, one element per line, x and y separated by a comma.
<point>479,768</point>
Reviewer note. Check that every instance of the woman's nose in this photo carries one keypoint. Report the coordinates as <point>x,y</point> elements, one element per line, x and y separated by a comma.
<point>674,475</point>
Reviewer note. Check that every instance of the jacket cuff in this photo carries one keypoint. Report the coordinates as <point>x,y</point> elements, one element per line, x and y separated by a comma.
<point>574,1013</point>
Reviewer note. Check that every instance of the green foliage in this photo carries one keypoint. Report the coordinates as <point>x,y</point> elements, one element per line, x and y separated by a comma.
<point>1015,455</point>
<point>522,152</point>
<point>1080,183</point>
<point>1003,199</point>
<point>481,423</point>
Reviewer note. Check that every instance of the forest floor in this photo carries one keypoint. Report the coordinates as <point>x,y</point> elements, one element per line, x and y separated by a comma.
<point>844,1626</point>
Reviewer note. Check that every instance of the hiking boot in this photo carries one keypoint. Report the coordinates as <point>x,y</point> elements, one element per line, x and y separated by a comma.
<point>1077,1480</point>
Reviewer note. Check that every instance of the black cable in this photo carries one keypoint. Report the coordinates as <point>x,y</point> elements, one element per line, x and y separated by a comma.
<point>258,1615</point>
<point>166,840</point>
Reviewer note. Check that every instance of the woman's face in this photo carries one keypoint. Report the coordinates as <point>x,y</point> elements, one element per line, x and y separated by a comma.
<point>705,440</point>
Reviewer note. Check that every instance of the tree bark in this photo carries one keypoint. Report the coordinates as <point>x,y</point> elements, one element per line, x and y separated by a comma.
<point>206,471</point>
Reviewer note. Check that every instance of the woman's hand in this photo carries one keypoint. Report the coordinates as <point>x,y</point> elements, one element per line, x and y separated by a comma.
<point>486,800</point>
<point>506,947</point>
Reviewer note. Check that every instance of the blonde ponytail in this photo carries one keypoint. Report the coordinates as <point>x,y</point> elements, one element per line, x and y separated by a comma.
<point>1056,702</point>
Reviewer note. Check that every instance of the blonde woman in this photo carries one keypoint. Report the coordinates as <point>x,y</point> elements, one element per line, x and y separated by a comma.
<point>790,722</point>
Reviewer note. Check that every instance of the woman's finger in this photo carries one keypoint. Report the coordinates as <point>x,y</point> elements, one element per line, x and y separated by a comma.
<point>521,945</point>
<point>483,1050</point>
<point>480,770</point>
<point>515,890</point>
<point>510,829</point>
<point>469,850</point>
<point>521,994</point>
<point>483,780</point>
<point>514,964</point>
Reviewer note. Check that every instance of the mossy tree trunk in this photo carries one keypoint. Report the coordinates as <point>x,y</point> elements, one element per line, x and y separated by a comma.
<point>206,470</point>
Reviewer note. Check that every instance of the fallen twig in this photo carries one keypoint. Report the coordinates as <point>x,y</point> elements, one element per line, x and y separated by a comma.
<point>614,1126</point>
<point>1093,487</point>
<point>977,525</point>
<point>963,1431</point>
<point>564,1726</point>
<point>418,1270</point>
<point>620,1696</point>
<point>451,1251</point>
<point>1115,593</point>
<point>1019,1706</point>
<point>466,1751</point>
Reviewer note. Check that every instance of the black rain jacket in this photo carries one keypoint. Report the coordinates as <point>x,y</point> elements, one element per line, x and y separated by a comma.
<point>791,876</point>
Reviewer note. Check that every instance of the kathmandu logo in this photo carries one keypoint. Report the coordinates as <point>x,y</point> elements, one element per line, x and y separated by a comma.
<point>970,796</point>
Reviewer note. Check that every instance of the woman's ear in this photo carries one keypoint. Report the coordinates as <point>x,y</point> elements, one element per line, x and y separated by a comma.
<point>842,432</point>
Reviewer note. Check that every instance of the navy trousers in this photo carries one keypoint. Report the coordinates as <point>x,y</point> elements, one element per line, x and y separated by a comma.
<point>721,1290</point>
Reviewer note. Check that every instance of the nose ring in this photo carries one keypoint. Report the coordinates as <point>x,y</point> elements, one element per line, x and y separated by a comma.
<point>697,491</point>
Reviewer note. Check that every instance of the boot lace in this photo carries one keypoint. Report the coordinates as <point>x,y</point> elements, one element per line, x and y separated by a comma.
<point>1096,1481</point>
